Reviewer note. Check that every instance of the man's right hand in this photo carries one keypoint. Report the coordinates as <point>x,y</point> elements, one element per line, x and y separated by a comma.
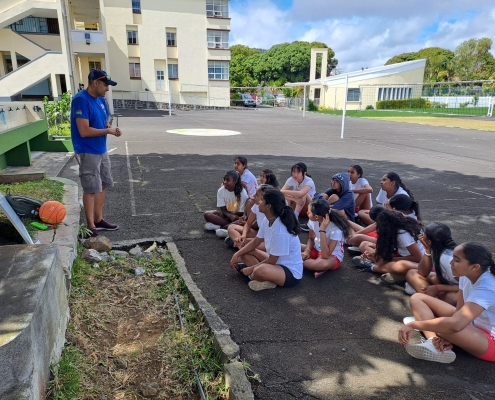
<point>114,131</point>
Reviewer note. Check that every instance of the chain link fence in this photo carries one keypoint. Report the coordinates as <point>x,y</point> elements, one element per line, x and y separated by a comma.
<point>474,98</point>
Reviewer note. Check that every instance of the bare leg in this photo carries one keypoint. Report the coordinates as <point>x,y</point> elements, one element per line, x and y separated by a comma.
<point>401,267</point>
<point>99,203</point>
<point>307,200</point>
<point>320,265</point>
<point>361,201</point>
<point>215,217</point>
<point>269,272</point>
<point>368,246</point>
<point>356,240</point>
<point>364,215</point>
<point>89,209</point>
<point>470,339</point>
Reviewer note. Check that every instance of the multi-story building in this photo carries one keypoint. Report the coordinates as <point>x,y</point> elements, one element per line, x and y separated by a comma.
<point>147,46</point>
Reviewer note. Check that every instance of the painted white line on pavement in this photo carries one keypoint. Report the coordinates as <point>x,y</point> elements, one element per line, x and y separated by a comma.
<point>109,151</point>
<point>133,202</point>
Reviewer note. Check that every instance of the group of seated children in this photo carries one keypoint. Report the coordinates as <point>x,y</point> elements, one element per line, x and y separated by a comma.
<point>452,287</point>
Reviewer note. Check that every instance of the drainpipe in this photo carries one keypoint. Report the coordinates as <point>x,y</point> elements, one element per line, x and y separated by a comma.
<point>64,7</point>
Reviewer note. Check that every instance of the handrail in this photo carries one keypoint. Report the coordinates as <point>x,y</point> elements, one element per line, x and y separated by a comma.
<point>33,60</point>
<point>29,40</point>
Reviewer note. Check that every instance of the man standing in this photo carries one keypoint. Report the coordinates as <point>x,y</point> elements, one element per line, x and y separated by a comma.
<point>90,126</point>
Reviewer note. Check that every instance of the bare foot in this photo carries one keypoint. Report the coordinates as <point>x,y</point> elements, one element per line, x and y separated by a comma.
<point>318,274</point>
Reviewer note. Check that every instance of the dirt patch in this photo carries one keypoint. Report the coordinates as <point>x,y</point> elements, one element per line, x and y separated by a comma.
<point>465,123</point>
<point>126,331</point>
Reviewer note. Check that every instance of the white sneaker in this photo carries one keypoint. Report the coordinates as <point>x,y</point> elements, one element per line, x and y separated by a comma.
<point>427,351</point>
<point>354,248</point>
<point>406,320</point>
<point>211,227</point>
<point>409,289</point>
<point>222,233</point>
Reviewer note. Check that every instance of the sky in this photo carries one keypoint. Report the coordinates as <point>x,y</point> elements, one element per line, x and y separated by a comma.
<point>363,34</point>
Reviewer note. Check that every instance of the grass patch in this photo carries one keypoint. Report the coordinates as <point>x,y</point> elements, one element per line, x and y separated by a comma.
<point>126,330</point>
<point>42,190</point>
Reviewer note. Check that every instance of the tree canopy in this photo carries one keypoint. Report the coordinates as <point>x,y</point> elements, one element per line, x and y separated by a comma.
<point>285,62</point>
<point>471,60</point>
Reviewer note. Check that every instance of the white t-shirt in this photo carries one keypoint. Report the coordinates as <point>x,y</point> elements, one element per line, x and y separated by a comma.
<point>360,183</point>
<point>259,215</point>
<point>404,240</point>
<point>382,195</point>
<point>279,242</point>
<point>229,200</point>
<point>482,292</point>
<point>445,259</point>
<point>332,233</point>
<point>251,182</point>
<point>307,181</point>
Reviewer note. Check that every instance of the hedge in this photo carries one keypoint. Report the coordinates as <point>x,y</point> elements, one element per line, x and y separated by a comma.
<point>400,104</point>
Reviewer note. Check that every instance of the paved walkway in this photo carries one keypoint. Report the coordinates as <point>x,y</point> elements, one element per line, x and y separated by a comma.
<point>335,337</point>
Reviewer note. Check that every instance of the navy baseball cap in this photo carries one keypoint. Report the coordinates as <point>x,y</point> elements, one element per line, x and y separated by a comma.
<point>99,75</point>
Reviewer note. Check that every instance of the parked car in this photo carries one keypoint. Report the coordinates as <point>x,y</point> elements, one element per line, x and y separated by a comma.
<point>280,99</point>
<point>247,100</point>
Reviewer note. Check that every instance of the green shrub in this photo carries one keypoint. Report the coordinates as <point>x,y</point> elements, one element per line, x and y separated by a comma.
<point>370,107</point>
<point>402,104</point>
<point>236,96</point>
<point>312,106</point>
<point>464,105</point>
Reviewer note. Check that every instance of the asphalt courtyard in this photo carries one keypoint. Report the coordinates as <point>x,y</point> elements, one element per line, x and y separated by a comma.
<point>332,337</point>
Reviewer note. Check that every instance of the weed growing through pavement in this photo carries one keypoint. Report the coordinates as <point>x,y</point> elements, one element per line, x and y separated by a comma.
<point>125,332</point>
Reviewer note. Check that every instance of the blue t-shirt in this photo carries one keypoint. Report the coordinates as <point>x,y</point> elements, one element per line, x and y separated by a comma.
<point>95,110</point>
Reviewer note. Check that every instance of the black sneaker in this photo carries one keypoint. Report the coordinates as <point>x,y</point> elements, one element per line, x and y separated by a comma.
<point>94,233</point>
<point>105,226</point>
<point>304,227</point>
<point>363,264</point>
<point>229,242</point>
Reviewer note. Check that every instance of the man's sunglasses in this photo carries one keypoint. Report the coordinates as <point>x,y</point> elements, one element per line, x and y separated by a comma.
<point>107,77</point>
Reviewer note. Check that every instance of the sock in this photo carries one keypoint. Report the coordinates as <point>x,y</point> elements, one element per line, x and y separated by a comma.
<point>297,214</point>
<point>373,267</point>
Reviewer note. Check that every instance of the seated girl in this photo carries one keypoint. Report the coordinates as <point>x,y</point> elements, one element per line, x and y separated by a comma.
<point>267,177</point>
<point>470,325</point>
<point>327,232</point>
<point>281,264</point>
<point>399,202</point>
<point>361,188</point>
<point>239,234</point>
<point>397,240</point>
<point>231,198</point>
<point>248,180</point>
<point>390,185</point>
<point>299,189</point>
<point>340,196</point>
<point>438,255</point>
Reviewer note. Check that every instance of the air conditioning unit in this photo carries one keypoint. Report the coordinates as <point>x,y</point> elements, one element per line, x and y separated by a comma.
<point>87,36</point>
<point>218,13</point>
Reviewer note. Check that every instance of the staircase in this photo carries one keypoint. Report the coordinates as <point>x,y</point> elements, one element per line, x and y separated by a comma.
<point>31,73</point>
<point>14,10</point>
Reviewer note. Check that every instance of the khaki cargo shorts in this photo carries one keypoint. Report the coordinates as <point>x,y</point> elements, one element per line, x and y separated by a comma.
<point>95,172</point>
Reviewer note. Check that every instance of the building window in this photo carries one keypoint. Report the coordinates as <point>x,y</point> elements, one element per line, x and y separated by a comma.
<point>218,70</point>
<point>136,6</point>
<point>135,70</point>
<point>218,39</point>
<point>394,93</point>
<point>132,37</point>
<point>94,65</point>
<point>217,8</point>
<point>353,94</point>
<point>36,25</point>
<point>173,71</point>
<point>171,39</point>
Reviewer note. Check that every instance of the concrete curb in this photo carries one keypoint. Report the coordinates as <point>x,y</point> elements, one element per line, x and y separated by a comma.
<point>235,376</point>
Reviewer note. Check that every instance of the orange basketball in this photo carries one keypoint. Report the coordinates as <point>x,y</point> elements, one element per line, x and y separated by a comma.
<point>52,212</point>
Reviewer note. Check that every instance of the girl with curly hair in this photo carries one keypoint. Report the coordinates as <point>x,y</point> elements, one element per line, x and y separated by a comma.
<point>398,239</point>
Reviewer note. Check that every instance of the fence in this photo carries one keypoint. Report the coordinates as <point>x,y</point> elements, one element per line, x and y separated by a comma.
<point>458,98</point>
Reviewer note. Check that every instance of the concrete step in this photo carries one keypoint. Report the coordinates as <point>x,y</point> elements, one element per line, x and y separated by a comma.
<point>34,314</point>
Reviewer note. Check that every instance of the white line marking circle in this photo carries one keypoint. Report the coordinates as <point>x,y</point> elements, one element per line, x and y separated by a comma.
<point>203,132</point>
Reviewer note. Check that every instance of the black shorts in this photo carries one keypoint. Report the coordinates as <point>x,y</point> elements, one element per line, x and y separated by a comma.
<point>289,278</point>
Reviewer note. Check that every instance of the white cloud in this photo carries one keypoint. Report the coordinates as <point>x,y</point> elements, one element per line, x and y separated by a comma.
<point>364,33</point>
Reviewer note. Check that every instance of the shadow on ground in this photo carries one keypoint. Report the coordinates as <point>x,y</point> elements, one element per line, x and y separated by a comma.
<point>335,337</point>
